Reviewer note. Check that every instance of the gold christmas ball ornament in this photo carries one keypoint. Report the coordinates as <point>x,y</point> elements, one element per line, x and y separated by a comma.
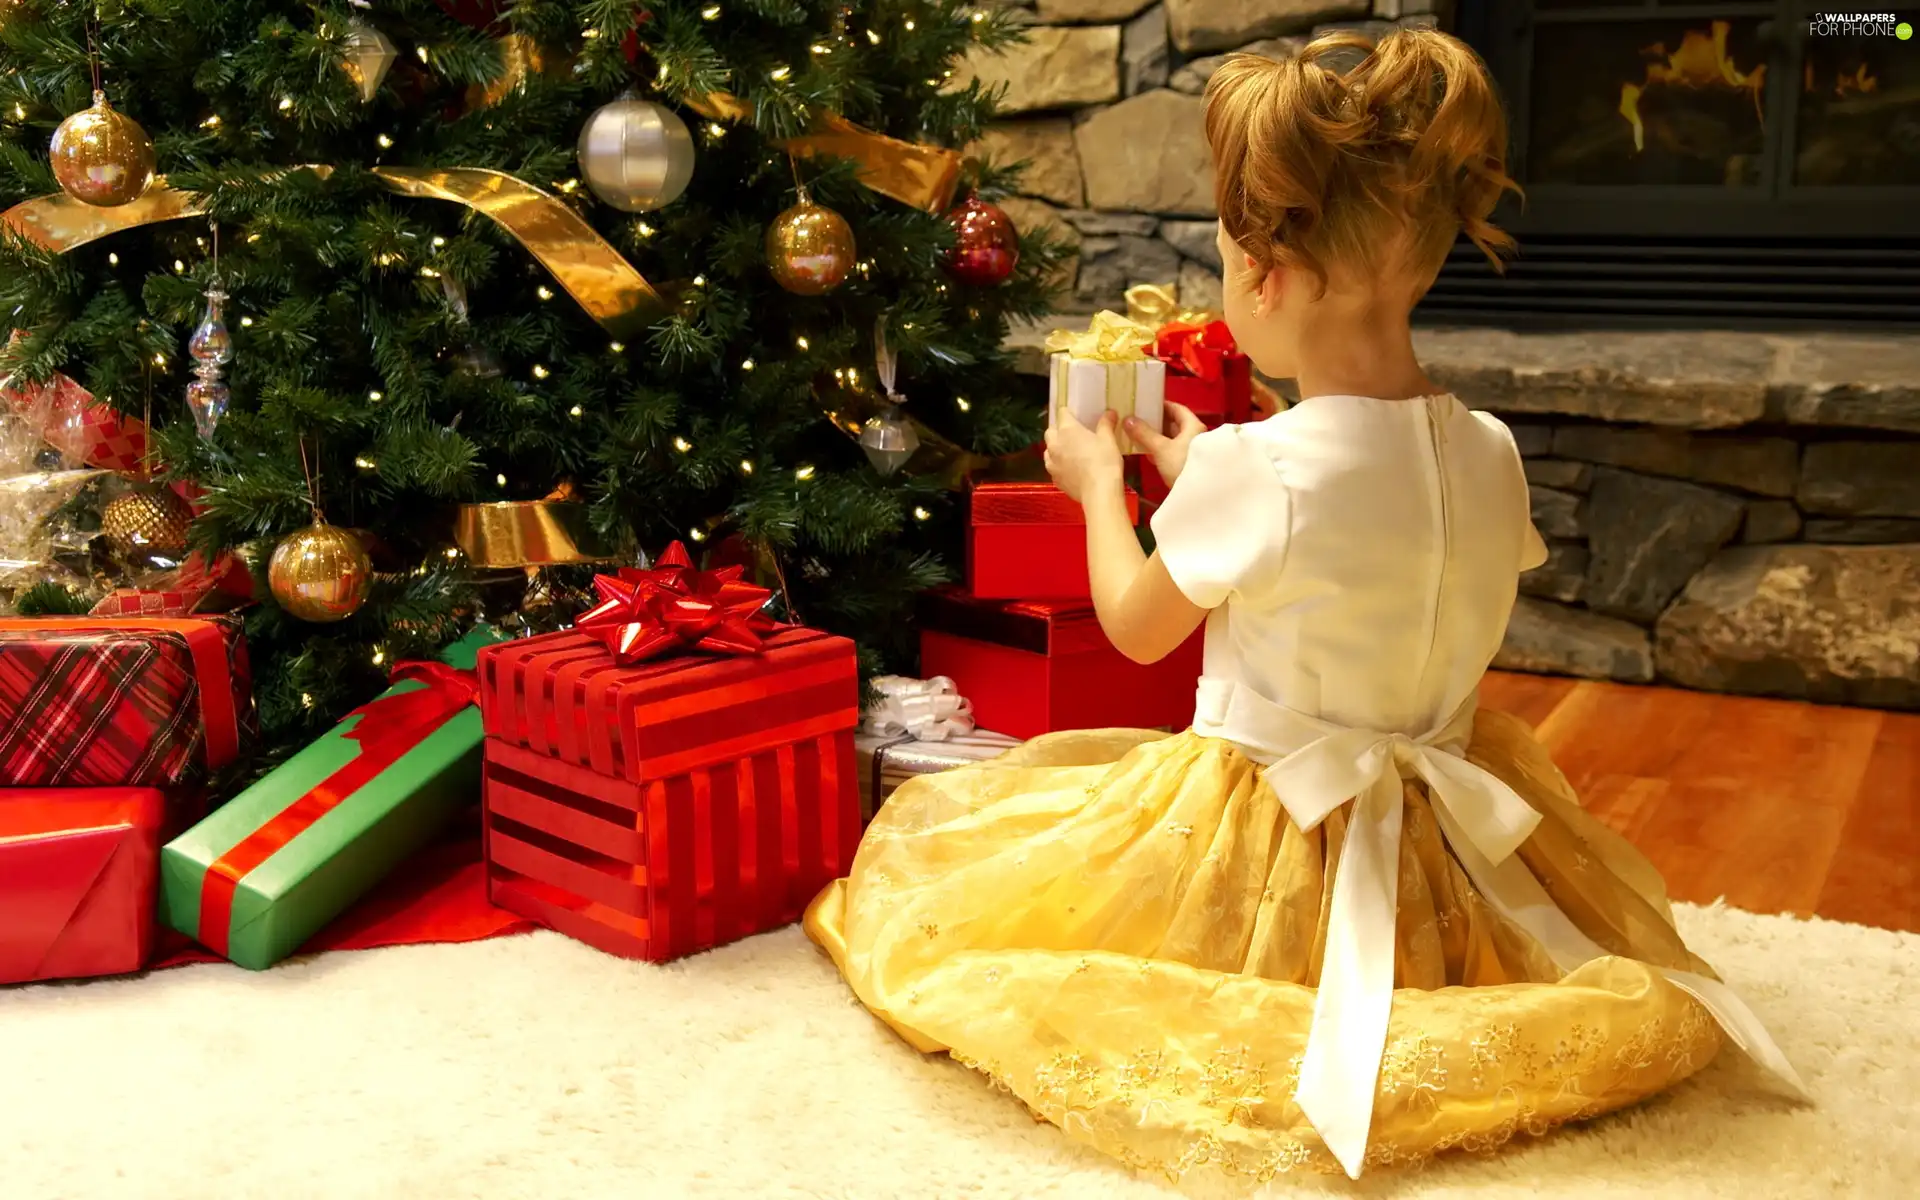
<point>636,155</point>
<point>810,249</point>
<point>147,524</point>
<point>320,573</point>
<point>101,157</point>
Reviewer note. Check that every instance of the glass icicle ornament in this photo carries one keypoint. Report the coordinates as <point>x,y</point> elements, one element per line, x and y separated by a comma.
<point>888,437</point>
<point>211,350</point>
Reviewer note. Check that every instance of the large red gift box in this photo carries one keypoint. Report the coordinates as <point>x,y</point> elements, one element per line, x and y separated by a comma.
<point>664,808</point>
<point>77,880</point>
<point>1028,541</point>
<point>1034,667</point>
<point>120,701</point>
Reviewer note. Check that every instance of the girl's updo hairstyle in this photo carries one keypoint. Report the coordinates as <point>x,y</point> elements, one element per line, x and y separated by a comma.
<point>1361,155</point>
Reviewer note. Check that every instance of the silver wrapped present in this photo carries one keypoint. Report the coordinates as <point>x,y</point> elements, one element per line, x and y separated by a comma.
<point>917,727</point>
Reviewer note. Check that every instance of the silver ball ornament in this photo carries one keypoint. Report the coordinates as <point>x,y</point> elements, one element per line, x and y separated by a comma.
<point>636,155</point>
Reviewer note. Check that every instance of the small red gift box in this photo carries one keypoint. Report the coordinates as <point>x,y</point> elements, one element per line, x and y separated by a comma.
<point>1206,372</point>
<point>1035,667</point>
<point>661,808</point>
<point>120,701</point>
<point>1028,541</point>
<point>77,880</point>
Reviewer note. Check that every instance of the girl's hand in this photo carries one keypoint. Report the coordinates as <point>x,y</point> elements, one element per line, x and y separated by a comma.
<point>1084,461</point>
<point>1169,453</point>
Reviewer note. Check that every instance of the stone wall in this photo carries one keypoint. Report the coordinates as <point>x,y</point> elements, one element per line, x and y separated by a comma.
<point>1730,512</point>
<point>1104,101</point>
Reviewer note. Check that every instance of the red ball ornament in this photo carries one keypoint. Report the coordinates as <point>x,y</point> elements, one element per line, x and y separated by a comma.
<point>986,246</point>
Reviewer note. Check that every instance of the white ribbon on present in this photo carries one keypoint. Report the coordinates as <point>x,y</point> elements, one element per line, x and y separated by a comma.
<point>926,710</point>
<point>1315,767</point>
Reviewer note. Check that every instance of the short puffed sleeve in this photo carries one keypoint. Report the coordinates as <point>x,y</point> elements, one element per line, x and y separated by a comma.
<point>1223,529</point>
<point>1533,548</point>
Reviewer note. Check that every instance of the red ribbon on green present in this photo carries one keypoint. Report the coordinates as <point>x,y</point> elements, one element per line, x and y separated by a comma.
<point>648,614</point>
<point>387,729</point>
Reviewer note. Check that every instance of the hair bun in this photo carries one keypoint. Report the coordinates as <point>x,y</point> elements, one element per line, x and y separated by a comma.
<point>1356,151</point>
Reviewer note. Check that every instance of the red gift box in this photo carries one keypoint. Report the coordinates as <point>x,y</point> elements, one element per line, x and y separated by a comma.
<point>1035,667</point>
<point>664,808</point>
<point>120,701</point>
<point>1207,373</point>
<point>77,880</point>
<point>1028,541</point>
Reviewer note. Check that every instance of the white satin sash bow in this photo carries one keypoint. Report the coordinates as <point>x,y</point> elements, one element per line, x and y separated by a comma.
<point>1315,767</point>
<point>926,710</point>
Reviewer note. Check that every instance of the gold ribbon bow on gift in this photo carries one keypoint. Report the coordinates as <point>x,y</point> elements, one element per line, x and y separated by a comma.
<point>1109,338</point>
<point>1157,304</point>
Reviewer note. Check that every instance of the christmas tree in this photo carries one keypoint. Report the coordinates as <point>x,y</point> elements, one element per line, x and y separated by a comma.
<point>437,295</point>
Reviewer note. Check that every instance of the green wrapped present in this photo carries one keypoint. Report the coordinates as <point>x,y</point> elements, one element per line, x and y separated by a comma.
<point>268,869</point>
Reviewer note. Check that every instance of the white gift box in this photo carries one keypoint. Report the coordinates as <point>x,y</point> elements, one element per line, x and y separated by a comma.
<point>1086,387</point>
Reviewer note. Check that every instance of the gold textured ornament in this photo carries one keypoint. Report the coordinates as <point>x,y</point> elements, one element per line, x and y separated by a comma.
<point>147,523</point>
<point>102,157</point>
<point>320,574</point>
<point>810,249</point>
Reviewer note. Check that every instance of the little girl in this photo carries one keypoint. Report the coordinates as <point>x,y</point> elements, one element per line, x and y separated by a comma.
<point>1348,918</point>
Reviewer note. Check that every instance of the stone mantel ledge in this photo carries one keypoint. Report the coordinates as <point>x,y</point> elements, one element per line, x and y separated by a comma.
<point>1695,380</point>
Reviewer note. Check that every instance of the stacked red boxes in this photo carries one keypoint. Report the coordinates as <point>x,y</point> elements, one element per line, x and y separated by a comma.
<point>1022,641</point>
<point>665,808</point>
<point>1034,667</point>
<point>1028,541</point>
<point>108,727</point>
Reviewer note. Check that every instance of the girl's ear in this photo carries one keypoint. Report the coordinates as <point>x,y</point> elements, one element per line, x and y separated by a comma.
<point>1270,288</point>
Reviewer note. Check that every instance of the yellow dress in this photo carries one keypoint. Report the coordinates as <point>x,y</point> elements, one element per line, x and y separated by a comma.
<point>1355,933</point>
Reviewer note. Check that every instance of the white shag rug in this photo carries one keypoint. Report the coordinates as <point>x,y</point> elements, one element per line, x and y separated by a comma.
<point>536,1067</point>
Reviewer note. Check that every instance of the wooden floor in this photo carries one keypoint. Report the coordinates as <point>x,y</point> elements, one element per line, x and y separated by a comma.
<point>1777,806</point>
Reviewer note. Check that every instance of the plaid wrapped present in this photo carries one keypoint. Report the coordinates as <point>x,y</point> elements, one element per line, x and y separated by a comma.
<point>80,426</point>
<point>191,588</point>
<point>120,702</point>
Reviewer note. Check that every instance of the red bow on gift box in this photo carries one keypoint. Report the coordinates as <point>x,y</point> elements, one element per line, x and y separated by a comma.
<point>647,614</point>
<point>1200,350</point>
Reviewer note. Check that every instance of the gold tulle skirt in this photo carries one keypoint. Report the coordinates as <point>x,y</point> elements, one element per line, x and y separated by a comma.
<point>1125,930</point>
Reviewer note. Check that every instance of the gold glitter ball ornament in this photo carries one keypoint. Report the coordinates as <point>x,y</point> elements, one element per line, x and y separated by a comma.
<point>149,523</point>
<point>101,157</point>
<point>810,249</point>
<point>320,573</point>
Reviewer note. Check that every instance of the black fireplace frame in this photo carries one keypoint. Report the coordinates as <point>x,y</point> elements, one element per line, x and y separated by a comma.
<point>1636,255</point>
<point>1502,31</point>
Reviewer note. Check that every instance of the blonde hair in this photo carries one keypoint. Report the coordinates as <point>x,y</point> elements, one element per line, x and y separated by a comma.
<point>1380,166</point>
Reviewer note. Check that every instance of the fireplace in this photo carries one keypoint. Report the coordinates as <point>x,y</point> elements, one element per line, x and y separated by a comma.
<point>1734,164</point>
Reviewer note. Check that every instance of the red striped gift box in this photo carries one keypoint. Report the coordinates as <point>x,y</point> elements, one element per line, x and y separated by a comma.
<point>665,808</point>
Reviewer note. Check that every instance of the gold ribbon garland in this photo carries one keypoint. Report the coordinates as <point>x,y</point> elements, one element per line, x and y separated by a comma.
<point>612,291</point>
<point>924,177</point>
<point>606,285</point>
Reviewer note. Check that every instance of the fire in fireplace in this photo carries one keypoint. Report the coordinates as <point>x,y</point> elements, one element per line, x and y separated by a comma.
<point>1726,164</point>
